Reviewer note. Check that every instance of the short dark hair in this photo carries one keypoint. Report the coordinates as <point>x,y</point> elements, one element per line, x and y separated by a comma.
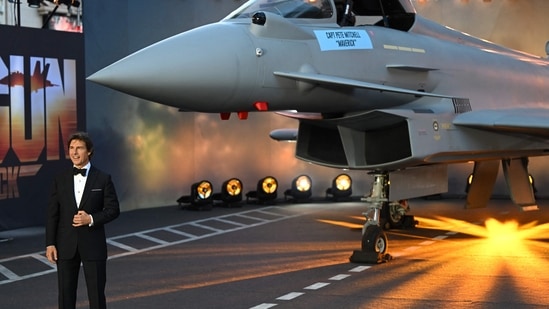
<point>82,136</point>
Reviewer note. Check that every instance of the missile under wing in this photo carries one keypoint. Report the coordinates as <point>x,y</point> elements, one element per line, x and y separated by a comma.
<point>373,85</point>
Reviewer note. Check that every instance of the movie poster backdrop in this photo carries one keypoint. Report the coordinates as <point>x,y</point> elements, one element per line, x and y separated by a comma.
<point>41,103</point>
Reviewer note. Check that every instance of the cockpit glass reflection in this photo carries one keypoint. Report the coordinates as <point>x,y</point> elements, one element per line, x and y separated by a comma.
<point>314,9</point>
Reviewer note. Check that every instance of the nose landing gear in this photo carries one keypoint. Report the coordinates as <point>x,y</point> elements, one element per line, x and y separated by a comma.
<point>374,239</point>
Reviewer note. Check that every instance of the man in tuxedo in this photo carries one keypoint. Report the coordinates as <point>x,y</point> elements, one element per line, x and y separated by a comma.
<point>83,199</point>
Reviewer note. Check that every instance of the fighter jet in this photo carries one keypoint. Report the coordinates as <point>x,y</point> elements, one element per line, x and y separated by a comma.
<point>39,80</point>
<point>374,86</point>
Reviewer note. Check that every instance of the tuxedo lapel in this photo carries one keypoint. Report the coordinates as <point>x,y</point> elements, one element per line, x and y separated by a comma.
<point>70,185</point>
<point>92,175</point>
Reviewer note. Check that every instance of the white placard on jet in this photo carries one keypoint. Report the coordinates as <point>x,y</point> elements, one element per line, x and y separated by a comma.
<point>343,39</point>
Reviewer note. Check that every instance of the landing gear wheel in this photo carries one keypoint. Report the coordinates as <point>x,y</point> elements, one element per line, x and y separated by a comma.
<point>374,240</point>
<point>374,247</point>
<point>395,217</point>
<point>392,216</point>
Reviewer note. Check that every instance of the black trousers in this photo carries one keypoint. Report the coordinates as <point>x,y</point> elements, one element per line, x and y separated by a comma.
<point>95,273</point>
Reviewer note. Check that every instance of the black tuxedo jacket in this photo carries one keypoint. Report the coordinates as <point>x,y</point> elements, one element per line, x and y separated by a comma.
<point>99,199</point>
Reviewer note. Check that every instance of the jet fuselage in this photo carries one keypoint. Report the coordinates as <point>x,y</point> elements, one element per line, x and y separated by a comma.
<point>386,96</point>
<point>228,66</point>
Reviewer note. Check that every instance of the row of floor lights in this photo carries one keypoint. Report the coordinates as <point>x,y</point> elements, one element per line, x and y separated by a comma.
<point>203,197</point>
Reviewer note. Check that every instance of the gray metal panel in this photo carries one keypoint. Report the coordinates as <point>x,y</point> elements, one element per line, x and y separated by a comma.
<point>419,181</point>
<point>354,145</point>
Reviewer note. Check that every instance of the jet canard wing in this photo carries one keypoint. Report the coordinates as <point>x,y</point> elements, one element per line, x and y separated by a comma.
<point>321,79</point>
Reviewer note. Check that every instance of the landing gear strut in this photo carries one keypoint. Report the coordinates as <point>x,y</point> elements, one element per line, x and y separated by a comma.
<point>374,240</point>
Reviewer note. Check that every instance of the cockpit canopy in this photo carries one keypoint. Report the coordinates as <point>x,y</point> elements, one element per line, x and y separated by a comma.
<point>383,7</point>
<point>397,14</point>
<point>314,9</point>
<point>322,8</point>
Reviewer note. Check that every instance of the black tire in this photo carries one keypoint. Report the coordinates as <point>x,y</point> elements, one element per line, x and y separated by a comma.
<point>374,240</point>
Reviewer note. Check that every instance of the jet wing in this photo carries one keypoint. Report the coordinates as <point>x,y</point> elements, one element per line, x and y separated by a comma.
<point>315,78</point>
<point>531,121</point>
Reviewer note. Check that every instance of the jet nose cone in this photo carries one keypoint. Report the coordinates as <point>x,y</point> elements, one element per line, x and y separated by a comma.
<point>198,70</point>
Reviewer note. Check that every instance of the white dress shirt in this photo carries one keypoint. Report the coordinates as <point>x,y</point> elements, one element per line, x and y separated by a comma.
<point>79,184</point>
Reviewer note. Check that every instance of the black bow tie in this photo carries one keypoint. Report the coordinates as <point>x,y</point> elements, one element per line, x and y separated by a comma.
<point>81,171</point>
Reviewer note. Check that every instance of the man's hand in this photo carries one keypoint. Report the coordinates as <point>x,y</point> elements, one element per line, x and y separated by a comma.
<point>51,254</point>
<point>81,219</point>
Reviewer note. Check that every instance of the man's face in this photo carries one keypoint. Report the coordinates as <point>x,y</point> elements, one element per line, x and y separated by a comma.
<point>80,156</point>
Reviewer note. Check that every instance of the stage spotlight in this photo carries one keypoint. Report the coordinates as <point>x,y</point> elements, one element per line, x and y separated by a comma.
<point>74,3</point>
<point>301,188</point>
<point>341,187</point>
<point>266,190</point>
<point>201,196</point>
<point>34,3</point>
<point>231,192</point>
<point>530,178</point>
